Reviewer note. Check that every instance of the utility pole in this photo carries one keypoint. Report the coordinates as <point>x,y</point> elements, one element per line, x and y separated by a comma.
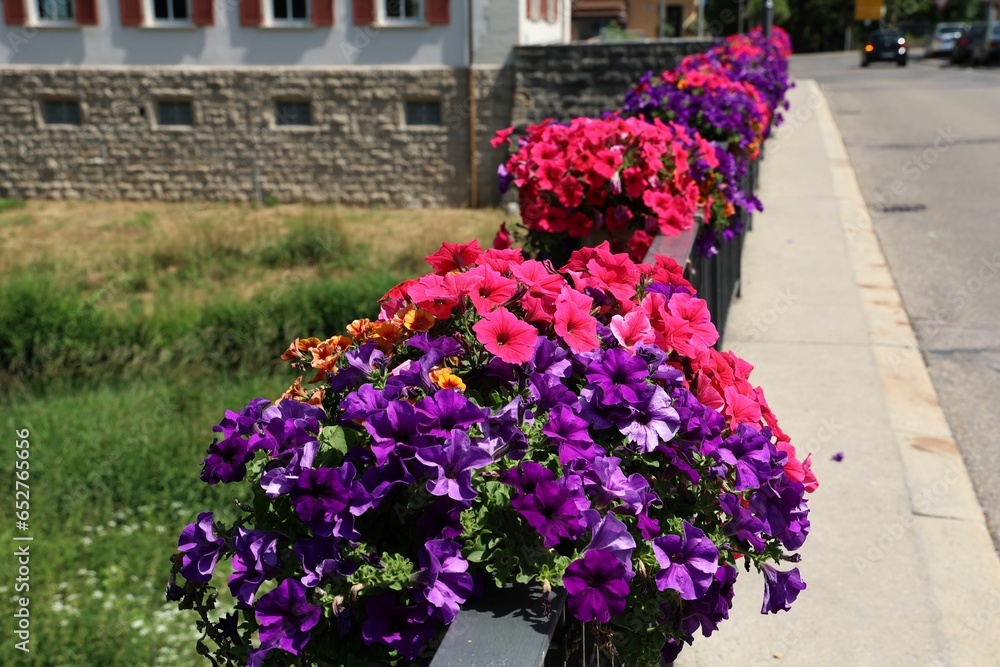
<point>701,18</point>
<point>768,17</point>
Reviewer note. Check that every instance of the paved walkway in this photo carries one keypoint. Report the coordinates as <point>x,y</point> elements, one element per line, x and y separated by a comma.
<point>899,565</point>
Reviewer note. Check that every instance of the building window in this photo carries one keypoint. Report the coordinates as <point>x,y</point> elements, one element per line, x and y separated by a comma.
<point>61,112</point>
<point>423,112</point>
<point>292,113</point>
<point>402,11</point>
<point>289,10</point>
<point>171,11</point>
<point>174,113</point>
<point>55,10</point>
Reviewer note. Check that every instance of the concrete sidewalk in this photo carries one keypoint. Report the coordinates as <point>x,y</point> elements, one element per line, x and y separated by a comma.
<point>900,567</point>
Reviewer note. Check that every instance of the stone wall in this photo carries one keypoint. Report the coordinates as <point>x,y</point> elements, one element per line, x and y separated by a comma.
<point>567,80</point>
<point>357,151</point>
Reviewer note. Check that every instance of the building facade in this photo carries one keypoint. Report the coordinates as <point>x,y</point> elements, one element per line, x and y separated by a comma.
<point>359,102</point>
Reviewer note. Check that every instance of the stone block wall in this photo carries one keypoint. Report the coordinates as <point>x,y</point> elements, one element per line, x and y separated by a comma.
<point>358,149</point>
<point>567,80</point>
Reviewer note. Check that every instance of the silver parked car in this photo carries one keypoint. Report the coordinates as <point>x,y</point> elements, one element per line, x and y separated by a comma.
<point>943,39</point>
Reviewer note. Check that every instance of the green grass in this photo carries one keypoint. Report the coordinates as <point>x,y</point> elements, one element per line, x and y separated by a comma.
<point>114,478</point>
<point>11,204</point>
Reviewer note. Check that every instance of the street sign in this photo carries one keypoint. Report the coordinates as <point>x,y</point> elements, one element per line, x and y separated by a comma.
<point>867,10</point>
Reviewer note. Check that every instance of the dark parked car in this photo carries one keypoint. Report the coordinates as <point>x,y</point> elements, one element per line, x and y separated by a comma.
<point>986,50</point>
<point>962,53</point>
<point>942,41</point>
<point>884,45</point>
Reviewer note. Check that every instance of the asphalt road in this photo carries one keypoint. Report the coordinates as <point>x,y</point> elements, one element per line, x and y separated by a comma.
<point>924,141</point>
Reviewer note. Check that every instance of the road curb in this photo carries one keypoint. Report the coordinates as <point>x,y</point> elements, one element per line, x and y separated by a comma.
<point>962,566</point>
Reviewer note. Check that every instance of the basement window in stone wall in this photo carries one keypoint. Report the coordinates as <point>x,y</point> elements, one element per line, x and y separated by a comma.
<point>61,112</point>
<point>423,112</point>
<point>174,113</point>
<point>291,112</point>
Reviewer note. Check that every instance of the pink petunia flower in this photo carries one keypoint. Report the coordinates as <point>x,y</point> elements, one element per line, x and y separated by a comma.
<point>574,323</point>
<point>506,336</point>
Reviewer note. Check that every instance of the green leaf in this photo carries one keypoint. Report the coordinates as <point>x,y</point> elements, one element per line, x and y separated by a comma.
<point>333,437</point>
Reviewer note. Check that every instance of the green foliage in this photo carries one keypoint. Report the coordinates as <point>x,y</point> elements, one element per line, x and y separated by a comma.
<point>50,337</point>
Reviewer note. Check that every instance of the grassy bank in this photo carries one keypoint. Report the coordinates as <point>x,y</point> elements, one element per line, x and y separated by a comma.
<point>126,331</point>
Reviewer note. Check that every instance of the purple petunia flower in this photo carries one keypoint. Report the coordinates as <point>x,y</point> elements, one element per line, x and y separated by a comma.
<point>554,509</point>
<point>444,576</point>
<point>744,525</point>
<point>781,506</point>
<point>596,587</point>
<point>526,476</point>
<point>398,427</point>
<point>654,421</point>
<point>570,435</point>
<point>620,376</point>
<point>406,629</point>
<point>286,617</point>
<point>688,562</point>
<point>604,482</point>
<point>780,589</point>
<point>550,359</point>
<point>610,534</point>
<point>255,560</point>
<point>449,409</point>
<point>442,519</point>
<point>451,466</point>
<point>363,403</point>
<point>502,434</point>
<point>328,499</point>
<point>201,549</point>
<point>244,421</point>
<point>749,452</point>
<point>446,345</point>
<point>320,557</point>
<point>548,391</point>
<point>226,460</point>
<point>289,433</point>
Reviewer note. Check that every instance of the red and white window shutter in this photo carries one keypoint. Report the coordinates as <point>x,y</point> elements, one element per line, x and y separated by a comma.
<point>202,13</point>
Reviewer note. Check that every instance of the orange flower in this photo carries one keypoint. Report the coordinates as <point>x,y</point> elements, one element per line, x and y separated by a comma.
<point>299,347</point>
<point>386,335</point>
<point>418,320</point>
<point>317,398</point>
<point>445,378</point>
<point>360,329</point>
<point>729,210</point>
<point>295,392</point>
<point>324,359</point>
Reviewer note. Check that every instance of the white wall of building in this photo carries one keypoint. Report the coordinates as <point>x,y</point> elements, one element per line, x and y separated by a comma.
<point>227,44</point>
<point>498,26</point>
